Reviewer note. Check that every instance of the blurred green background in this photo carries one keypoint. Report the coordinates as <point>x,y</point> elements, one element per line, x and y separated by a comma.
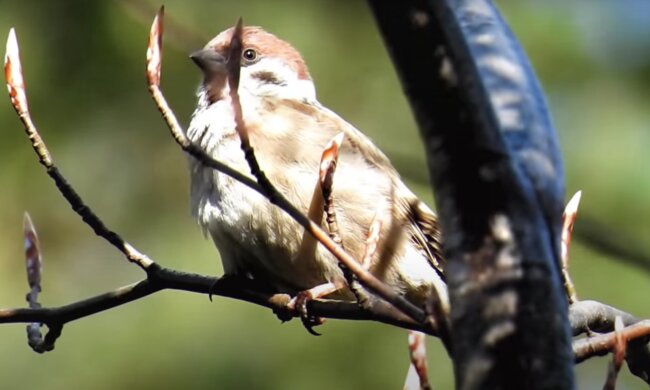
<point>84,69</point>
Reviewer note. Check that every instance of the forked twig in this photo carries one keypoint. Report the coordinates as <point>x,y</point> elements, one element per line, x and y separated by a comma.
<point>263,186</point>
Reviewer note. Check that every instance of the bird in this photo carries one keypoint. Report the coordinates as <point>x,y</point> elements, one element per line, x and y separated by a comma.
<point>288,129</point>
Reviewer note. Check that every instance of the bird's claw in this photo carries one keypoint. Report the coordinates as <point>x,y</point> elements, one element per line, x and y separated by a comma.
<point>299,305</point>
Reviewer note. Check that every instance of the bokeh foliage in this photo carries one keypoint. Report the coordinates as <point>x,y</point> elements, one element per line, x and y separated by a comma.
<point>84,68</point>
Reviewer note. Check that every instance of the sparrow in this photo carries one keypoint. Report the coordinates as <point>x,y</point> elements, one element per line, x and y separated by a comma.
<point>288,129</point>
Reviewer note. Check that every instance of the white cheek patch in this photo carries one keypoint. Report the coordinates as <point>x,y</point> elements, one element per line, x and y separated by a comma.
<point>285,84</point>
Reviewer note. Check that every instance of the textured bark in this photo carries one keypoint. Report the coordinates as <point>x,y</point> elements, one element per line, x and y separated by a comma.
<point>497,176</point>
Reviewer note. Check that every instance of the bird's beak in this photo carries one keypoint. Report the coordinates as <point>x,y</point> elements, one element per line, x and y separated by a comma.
<point>209,61</point>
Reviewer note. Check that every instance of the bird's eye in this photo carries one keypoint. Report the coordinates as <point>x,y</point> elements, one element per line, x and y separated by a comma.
<point>249,55</point>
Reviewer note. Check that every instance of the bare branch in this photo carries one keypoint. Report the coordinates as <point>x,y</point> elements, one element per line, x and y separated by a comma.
<point>18,96</point>
<point>160,278</point>
<point>154,64</point>
<point>603,344</point>
<point>583,314</point>
<point>592,315</point>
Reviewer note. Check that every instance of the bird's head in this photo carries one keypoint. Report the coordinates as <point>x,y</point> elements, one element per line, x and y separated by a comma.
<point>269,67</point>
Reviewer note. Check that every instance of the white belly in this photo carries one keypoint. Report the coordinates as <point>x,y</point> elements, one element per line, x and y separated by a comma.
<point>253,236</point>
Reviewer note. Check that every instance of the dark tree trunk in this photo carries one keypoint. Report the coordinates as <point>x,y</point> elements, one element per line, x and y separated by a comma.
<point>497,175</point>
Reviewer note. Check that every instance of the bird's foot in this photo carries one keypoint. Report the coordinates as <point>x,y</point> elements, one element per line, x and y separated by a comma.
<point>298,304</point>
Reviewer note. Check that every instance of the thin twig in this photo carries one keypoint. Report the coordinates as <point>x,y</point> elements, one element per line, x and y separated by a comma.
<point>328,163</point>
<point>318,205</point>
<point>34,268</point>
<point>418,355</point>
<point>154,57</point>
<point>618,356</point>
<point>364,277</point>
<point>568,219</point>
<point>602,344</point>
<point>18,96</point>
<point>327,167</point>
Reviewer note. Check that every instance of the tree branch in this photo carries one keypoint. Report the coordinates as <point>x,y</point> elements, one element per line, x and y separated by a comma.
<point>500,242</point>
<point>498,183</point>
<point>18,96</point>
<point>161,278</point>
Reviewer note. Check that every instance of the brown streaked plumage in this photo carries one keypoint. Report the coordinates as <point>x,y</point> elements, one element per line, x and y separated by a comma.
<point>288,129</point>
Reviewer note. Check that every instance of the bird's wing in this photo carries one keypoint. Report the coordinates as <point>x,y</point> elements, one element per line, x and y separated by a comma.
<point>425,232</point>
<point>358,140</point>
